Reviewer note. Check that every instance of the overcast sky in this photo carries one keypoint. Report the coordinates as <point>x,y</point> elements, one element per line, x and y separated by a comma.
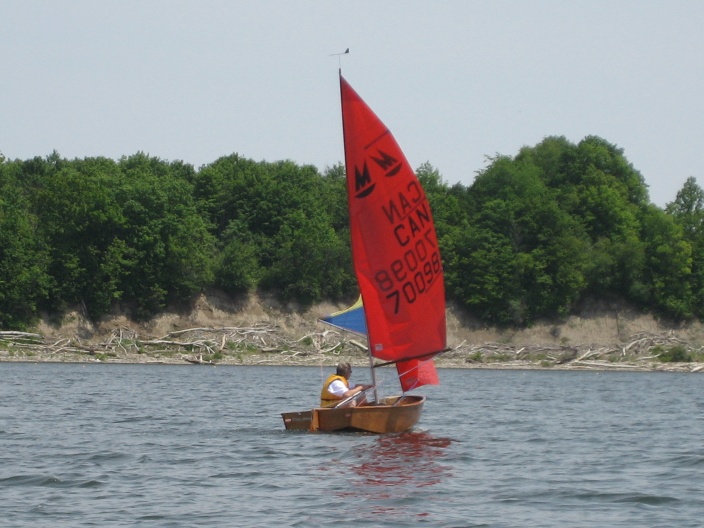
<point>455,81</point>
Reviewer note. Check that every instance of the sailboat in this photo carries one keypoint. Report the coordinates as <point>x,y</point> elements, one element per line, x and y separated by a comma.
<point>399,273</point>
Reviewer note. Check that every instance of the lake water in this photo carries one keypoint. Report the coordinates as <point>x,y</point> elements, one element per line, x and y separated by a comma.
<point>139,445</point>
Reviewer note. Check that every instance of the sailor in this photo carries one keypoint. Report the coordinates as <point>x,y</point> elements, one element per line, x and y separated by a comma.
<point>338,387</point>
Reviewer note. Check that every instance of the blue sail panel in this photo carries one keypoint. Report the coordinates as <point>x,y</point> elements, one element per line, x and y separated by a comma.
<point>351,319</point>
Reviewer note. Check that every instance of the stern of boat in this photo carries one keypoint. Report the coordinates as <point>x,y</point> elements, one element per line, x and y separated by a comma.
<point>299,420</point>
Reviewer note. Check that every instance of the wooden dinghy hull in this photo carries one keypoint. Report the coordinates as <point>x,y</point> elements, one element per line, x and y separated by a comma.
<point>392,415</point>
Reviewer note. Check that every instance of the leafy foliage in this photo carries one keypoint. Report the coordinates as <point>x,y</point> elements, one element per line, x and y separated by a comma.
<point>24,278</point>
<point>687,211</point>
<point>533,236</point>
<point>675,354</point>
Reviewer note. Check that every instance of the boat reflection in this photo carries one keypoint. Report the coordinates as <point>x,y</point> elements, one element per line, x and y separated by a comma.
<point>404,459</point>
<point>397,468</point>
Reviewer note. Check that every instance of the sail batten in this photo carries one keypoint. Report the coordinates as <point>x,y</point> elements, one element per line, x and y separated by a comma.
<point>394,246</point>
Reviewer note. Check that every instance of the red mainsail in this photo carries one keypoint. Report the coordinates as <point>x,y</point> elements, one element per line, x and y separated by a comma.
<point>394,247</point>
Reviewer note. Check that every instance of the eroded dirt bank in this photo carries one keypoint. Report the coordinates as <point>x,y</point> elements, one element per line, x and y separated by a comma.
<point>257,330</point>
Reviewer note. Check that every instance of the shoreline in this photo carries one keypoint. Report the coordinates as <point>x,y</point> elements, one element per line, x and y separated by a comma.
<point>358,360</point>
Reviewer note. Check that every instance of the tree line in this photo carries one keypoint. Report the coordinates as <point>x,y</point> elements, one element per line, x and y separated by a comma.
<point>531,237</point>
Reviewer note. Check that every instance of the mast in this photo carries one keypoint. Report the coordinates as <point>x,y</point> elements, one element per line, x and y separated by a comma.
<point>344,143</point>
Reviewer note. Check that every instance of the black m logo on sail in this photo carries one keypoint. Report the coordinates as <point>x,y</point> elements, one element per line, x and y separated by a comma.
<point>363,185</point>
<point>388,163</point>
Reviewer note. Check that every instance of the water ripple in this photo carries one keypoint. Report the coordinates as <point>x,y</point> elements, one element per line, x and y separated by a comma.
<point>49,481</point>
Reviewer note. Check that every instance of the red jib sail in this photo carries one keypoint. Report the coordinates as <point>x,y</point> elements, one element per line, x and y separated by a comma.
<point>394,247</point>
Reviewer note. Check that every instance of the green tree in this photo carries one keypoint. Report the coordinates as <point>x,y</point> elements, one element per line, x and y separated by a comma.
<point>545,273</point>
<point>170,250</point>
<point>81,221</point>
<point>480,273</point>
<point>687,210</point>
<point>596,185</point>
<point>333,199</point>
<point>308,261</point>
<point>237,268</point>
<point>669,264</point>
<point>261,212</point>
<point>24,281</point>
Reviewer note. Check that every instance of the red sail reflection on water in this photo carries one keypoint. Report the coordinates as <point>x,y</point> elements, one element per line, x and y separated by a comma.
<point>394,469</point>
<point>407,458</point>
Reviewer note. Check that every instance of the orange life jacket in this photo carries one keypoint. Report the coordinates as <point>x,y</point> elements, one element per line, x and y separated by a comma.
<point>327,398</point>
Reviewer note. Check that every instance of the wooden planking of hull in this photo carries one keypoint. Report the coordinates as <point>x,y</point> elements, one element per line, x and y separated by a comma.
<point>392,415</point>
